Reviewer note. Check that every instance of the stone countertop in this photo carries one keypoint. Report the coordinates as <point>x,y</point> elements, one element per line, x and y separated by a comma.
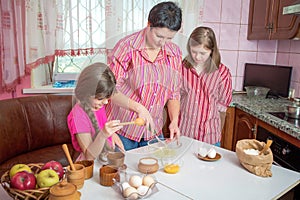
<point>259,108</point>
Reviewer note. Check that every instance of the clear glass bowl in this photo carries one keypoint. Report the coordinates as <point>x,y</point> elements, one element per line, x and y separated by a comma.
<point>257,92</point>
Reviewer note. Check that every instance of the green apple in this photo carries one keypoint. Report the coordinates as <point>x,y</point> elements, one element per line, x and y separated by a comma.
<point>47,178</point>
<point>18,168</point>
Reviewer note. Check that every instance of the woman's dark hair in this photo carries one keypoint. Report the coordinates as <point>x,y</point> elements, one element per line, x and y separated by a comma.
<point>95,81</point>
<point>204,36</point>
<point>165,15</point>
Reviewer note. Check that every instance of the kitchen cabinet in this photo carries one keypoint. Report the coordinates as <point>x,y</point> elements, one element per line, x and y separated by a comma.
<point>244,127</point>
<point>266,21</point>
<point>227,132</point>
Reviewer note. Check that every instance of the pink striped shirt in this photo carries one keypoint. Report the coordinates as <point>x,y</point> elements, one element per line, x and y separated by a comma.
<point>202,98</point>
<point>150,83</point>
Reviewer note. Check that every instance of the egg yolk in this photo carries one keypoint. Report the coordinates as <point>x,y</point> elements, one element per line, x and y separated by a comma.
<point>171,168</point>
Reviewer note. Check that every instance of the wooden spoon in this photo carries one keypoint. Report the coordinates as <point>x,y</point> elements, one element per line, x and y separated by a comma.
<point>269,142</point>
<point>66,150</point>
<point>137,121</point>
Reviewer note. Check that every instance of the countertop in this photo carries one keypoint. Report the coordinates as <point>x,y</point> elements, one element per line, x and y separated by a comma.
<point>259,108</point>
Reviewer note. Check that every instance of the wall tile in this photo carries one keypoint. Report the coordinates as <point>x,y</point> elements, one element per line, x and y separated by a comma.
<point>244,44</point>
<point>245,11</point>
<point>295,46</point>
<point>229,58</point>
<point>266,58</point>
<point>267,45</point>
<point>231,11</point>
<point>284,46</point>
<point>294,62</point>
<point>229,36</point>
<point>282,59</point>
<point>239,83</point>
<point>245,57</point>
<point>212,11</point>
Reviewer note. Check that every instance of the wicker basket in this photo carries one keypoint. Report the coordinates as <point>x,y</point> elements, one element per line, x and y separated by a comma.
<point>39,193</point>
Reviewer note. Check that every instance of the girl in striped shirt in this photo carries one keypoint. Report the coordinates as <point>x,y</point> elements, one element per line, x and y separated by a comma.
<point>206,88</point>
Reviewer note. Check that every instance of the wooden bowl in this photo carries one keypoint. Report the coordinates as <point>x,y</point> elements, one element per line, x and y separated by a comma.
<point>89,167</point>
<point>148,165</point>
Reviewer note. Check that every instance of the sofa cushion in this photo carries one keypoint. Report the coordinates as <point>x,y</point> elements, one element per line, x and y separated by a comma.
<point>40,156</point>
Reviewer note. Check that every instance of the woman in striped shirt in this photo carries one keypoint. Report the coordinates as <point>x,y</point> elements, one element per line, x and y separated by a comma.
<point>206,88</point>
<point>147,66</point>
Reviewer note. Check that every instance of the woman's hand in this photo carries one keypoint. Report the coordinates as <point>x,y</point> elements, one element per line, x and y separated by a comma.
<point>111,127</point>
<point>145,114</point>
<point>174,130</point>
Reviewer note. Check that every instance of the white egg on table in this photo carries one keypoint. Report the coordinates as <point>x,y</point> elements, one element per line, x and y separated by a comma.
<point>135,181</point>
<point>130,193</point>
<point>212,153</point>
<point>148,180</point>
<point>143,189</point>
<point>125,185</point>
<point>202,152</point>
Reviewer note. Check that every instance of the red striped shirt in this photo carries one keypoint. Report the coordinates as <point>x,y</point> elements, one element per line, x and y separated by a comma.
<point>150,83</point>
<point>203,96</point>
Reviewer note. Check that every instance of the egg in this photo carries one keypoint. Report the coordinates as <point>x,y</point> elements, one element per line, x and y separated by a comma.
<point>125,185</point>
<point>202,152</point>
<point>148,180</point>
<point>135,181</point>
<point>212,153</point>
<point>142,190</point>
<point>130,193</point>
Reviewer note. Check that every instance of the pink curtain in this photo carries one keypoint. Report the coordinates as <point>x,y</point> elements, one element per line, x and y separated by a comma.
<point>12,60</point>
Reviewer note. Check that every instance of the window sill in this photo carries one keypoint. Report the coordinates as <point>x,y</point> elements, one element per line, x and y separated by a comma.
<point>48,89</point>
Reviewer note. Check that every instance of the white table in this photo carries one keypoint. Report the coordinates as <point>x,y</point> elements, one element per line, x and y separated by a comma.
<point>197,179</point>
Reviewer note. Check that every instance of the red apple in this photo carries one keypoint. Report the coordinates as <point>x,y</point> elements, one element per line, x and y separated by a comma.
<point>56,166</point>
<point>23,181</point>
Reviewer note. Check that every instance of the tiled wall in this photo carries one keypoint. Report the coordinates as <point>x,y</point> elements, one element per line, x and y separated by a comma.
<point>229,19</point>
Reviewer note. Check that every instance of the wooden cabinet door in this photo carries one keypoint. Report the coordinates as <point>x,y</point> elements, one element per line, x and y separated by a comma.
<point>259,19</point>
<point>227,132</point>
<point>284,26</point>
<point>266,20</point>
<point>244,128</point>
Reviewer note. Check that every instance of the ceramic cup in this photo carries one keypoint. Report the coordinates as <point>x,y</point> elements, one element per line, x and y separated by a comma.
<point>116,159</point>
<point>76,177</point>
<point>108,174</point>
<point>89,167</point>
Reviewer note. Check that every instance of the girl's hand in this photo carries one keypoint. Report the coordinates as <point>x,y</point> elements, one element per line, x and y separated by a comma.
<point>117,141</point>
<point>111,127</point>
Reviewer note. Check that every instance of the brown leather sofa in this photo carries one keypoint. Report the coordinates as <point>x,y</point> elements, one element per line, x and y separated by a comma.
<point>33,129</point>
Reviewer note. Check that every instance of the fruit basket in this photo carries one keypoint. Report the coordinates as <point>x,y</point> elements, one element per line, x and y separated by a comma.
<point>38,193</point>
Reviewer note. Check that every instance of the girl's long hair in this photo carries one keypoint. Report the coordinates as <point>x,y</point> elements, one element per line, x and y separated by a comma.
<point>204,36</point>
<point>95,81</point>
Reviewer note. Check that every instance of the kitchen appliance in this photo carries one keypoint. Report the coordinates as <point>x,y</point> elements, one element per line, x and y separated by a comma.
<point>275,77</point>
<point>284,154</point>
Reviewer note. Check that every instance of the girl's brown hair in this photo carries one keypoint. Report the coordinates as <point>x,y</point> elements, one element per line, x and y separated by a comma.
<point>96,81</point>
<point>204,36</point>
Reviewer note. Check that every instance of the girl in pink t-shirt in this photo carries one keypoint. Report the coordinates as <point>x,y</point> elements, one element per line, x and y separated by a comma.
<point>87,120</point>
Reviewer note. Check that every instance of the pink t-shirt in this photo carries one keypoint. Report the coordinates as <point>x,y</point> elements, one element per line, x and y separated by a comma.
<point>79,122</point>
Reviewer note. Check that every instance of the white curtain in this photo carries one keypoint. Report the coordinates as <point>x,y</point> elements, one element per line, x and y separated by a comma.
<point>71,28</point>
<point>12,58</point>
